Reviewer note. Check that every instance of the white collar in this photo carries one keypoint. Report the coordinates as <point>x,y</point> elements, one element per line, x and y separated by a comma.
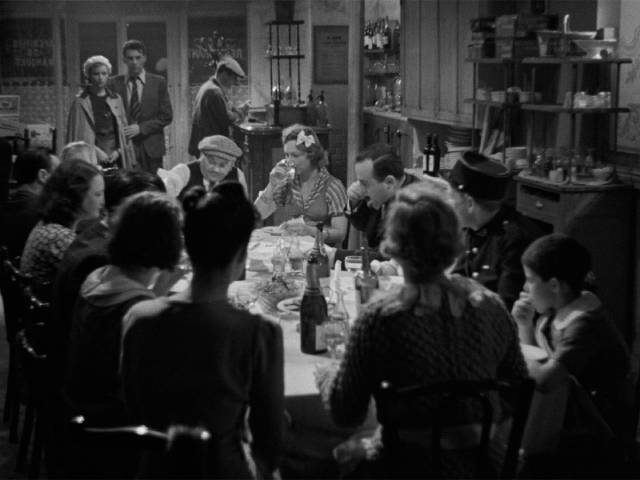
<point>586,302</point>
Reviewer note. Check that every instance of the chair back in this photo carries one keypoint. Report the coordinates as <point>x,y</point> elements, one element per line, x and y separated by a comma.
<point>12,282</point>
<point>184,448</point>
<point>397,413</point>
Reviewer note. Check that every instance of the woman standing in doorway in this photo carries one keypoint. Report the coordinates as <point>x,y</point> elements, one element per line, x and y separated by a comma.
<point>97,116</point>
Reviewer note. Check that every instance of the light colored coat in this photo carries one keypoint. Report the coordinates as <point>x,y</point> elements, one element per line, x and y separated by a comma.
<point>81,125</point>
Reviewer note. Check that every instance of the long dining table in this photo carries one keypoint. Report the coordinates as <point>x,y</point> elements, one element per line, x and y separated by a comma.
<point>311,435</point>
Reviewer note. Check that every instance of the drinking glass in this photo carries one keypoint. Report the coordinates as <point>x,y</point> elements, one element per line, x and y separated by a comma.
<point>335,336</point>
<point>353,263</point>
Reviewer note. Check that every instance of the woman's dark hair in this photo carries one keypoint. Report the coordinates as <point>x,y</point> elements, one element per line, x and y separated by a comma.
<point>63,193</point>
<point>29,163</point>
<point>315,151</point>
<point>217,225</point>
<point>146,232</point>
<point>423,232</point>
<point>559,256</point>
<point>123,183</point>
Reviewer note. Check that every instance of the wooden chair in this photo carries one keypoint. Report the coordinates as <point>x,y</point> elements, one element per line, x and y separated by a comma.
<point>12,284</point>
<point>183,449</point>
<point>397,413</point>
<point>32,343</point>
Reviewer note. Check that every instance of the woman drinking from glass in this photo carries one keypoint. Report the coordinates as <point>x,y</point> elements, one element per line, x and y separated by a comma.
<point>97,116</point>
<point>300,186</point>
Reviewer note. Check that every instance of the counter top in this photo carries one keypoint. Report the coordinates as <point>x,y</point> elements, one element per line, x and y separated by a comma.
<point>384,114</point>
<point>263,128</point>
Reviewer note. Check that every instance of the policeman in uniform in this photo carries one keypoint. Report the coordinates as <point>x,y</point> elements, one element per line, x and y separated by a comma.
<point>495,234</point>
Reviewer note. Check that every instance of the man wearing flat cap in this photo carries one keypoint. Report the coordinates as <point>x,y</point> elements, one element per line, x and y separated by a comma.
<point>218,155</point>
<point>213,113</point>
<point>495,234</point>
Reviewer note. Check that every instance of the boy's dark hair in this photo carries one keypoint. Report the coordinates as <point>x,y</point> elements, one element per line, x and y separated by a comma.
<point>28,164</point>
<point>385,161</point>
<point>146,232</point>
<point>233,216</point>
<point>560,256</point>
<point>133,45</point>
<point>62,196</point>
<point>123,183</point>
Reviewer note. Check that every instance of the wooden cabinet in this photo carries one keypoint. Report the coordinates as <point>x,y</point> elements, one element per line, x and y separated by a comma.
<point>434,45</point>
<point>601,219</point>
<point>390,128</point>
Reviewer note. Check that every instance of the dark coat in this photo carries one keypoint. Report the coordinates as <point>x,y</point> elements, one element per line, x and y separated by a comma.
<point>492,254</point>
<point>155,111</point>
<point>196,179</point>
<point>17,218</point>
<point>210,114</point>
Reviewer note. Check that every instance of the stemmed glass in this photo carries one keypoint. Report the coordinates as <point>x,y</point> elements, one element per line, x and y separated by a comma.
<point>336,332</point>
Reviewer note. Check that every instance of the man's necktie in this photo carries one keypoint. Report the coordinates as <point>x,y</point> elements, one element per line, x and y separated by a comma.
<point>134,101</point>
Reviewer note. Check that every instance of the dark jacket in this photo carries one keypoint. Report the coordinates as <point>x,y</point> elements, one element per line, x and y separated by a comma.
<point>17,218</point>
<point>207,364</point>
<point>196,179</point>
<point>492,254</point>
<point>155,111</point>
<point>210,114</point>
<point>92,383</point>
<point>370,220</point>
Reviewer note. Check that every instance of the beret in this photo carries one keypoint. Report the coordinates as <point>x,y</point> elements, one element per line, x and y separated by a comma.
<point>231,64</point>
<point>220,146</point>
<point>480,177</point>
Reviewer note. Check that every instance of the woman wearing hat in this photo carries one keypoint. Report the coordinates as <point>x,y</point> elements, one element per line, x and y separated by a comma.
<point>218,155</point>
<point>97,116</point>
<point>300,186</point>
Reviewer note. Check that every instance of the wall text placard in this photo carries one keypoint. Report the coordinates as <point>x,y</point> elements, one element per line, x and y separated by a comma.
<point>26,47</point>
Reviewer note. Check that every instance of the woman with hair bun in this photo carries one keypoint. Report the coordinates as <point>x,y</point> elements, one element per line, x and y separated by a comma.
<point>301,186</point>
<point>437,328</point>
<point>97,116</point>
<point>215,365</point>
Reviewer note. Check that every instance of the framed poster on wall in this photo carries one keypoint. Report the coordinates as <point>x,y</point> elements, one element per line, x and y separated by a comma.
<point>330,54</point>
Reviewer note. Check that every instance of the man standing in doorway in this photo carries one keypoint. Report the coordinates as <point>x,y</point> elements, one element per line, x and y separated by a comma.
<point>148,106</point>
<point>213,114</point>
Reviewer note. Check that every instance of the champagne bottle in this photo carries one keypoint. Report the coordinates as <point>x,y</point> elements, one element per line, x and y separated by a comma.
<point>426,155</point>
<point>366,281</point>
<point>313,312</point>
<point>319,253</point>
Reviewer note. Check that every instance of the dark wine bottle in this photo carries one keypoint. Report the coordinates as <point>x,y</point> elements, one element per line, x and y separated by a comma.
<point>366,281</point>
<point>313,313</point>
<point>426,154</point>
<point>320,254</point>
<point>435,152</point>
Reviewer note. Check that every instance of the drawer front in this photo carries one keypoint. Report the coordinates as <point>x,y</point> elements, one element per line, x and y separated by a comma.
<point>539,204</point>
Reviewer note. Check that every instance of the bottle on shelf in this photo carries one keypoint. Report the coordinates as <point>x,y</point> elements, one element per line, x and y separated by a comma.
<point>366,281</point>
<point>426,155</point>
<point>322,111</point>
<point>434,160</point>
<point>395,37</point>
<point>313,312</point>
<point>397,94</point>
<point>312,113</point>
<point>386,35</point>
<point>377,36</point>
<point>368,39</point>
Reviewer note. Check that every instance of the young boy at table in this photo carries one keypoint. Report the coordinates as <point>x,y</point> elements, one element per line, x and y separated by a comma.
<point>581,341</point>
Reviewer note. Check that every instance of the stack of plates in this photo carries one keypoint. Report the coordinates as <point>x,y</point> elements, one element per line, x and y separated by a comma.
<point>516,157</point>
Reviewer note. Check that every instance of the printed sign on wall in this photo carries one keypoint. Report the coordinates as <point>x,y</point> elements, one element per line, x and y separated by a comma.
<point>26,49</point>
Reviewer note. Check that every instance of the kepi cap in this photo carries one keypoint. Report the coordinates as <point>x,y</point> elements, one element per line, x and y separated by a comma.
<point>480,177</point>
<point>220,146</point>
<point>231,64</point>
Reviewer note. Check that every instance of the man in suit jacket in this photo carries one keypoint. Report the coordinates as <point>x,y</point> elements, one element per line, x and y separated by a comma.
<point>148,107</point>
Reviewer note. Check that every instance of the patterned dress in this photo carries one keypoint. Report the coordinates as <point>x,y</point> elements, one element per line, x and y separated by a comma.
<point>43,252</point>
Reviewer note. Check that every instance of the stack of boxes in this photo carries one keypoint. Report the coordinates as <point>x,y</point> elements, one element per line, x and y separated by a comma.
<point>508,36</point>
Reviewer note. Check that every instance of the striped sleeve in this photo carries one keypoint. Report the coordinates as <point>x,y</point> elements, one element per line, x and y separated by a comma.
<point>336,197</point>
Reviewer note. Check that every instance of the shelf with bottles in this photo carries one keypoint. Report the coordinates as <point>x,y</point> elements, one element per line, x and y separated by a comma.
<point>382,74</point>
<point>284,57</point>
<point>570,110</point>
<point>381,51</point>
<point>491,103</point>
<point>572,60</point>
<point>381,36</point>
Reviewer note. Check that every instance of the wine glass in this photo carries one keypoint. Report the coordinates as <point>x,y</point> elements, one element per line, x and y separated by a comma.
<point>353,263</point>
<point>336,332</point>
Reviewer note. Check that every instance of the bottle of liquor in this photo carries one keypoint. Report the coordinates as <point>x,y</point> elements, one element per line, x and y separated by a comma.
<point>322,111</point>
<point>368,41</point>
<point>319,253</point>
<point>313,313</point>
<point>377,36</point>
<point>366,281</point>
<point>386,34</point>
<point>426,155</point>
<point>435,149</point>
<point>395,39</point>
